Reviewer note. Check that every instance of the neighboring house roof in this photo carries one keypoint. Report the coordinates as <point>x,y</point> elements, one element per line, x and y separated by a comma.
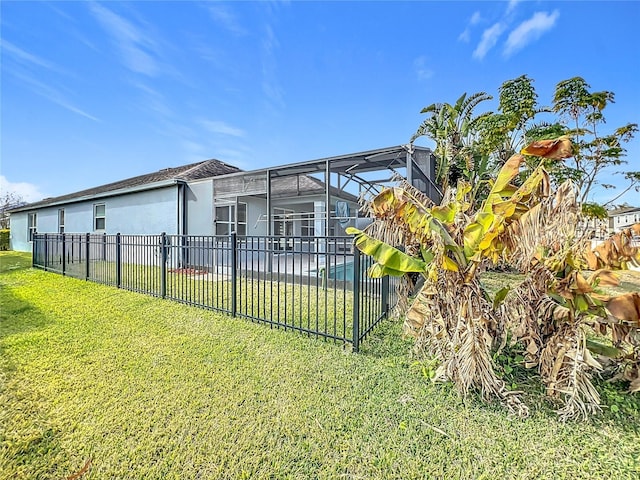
<point>623,211</point>
<point>161,178</point>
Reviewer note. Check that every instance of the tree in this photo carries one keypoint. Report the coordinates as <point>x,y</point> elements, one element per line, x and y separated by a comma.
<point>8,201</point>
<point>453,129</point>
<point>579,116</point>
<point>504,133</point>
<point>581,112</point>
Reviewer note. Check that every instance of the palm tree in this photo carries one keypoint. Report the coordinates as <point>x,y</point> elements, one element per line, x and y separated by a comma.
<point>453,128</point>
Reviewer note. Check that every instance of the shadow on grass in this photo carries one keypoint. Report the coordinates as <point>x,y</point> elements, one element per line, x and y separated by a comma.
<point>27,438</point>
<point>619,408</point>
<point>16,315</point>
<point>10,261</point>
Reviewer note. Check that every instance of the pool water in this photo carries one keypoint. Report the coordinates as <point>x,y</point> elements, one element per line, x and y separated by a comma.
<point>344,271</point>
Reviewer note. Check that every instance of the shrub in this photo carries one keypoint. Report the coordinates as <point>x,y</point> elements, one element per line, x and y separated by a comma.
<point>4,239</point>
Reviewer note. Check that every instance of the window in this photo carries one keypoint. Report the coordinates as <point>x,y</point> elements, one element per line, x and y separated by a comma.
<point>227,221</point>
<point>99,217</point>
<point>223,215</point>
<point>283,227</point>
<point>61,220</point>
<point>241,220</point>
<point>283,222</point>
<point>307,226</point>
<point>32,226</point>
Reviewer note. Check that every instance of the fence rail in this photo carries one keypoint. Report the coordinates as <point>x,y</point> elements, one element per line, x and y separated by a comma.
<point>314,285</point>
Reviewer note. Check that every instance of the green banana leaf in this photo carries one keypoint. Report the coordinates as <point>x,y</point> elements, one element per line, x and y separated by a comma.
<point>602,349</point>
<point>387,256</point>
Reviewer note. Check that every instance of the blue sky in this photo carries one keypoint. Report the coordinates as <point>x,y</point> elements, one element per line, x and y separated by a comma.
<point>94,92</point>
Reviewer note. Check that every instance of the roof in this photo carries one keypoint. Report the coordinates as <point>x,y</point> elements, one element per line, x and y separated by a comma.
<point>161,178</point>
<point>297,179</point>
<point>370,160</point>
<point>294,178</point>
<point>622,211</point>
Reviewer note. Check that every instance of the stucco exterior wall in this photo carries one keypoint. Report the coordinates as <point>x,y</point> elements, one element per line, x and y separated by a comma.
<point>150,212</point>
<point>147,212</point>
<point>156,211</point>
<point>200,208</point>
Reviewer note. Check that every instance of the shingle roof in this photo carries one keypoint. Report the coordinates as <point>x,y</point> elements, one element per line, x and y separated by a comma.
<point>193,171</point>
<point>622,210</point>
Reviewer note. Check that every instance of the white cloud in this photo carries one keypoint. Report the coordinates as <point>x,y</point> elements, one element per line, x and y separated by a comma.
<point>512,5</point>
<point>222,128</point>
<point>24,56</point>
<point>27,191</point>
<point>153,100</point>
<point>465,36</point>
<point>421,68</point>
<point>530,30</point>
<point>270,84</point>
<point>224,17</point>
<point>23,70</point>
<point>137,48</point>
<point>238,157</point>
<point>489,39</point>
<point>50,93</point>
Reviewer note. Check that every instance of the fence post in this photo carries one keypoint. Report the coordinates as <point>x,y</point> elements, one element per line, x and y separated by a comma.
<point>356,299</point>
<point>34,250</point>
<point>118,260</point>
<point>46,252</point>
<point>163,266</point>
<point>234,273</point>
<point>87,253</point>
<point>385,295</point>
<point>64,255</point>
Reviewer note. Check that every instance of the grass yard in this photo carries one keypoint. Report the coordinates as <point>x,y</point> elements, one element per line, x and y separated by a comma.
<point>304,303</point>
<point>141,387</point>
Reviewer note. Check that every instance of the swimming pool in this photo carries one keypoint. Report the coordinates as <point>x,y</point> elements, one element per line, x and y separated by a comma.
<point>344,271</point>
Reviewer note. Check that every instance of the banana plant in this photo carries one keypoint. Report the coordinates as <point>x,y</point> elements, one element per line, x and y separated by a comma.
<point>504,205</point>
<point>454,319</point>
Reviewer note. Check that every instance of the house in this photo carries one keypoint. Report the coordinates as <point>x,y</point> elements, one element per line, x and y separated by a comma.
<point>622,218</point>
<point>312,198</point>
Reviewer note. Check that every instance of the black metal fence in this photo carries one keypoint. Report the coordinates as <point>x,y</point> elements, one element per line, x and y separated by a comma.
<point>314,285</point>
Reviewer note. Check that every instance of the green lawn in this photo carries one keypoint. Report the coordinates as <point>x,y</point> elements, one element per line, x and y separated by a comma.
<point>147,388</point>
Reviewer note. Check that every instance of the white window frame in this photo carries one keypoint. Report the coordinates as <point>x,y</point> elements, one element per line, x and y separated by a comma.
<point>97,217</point>
<point>231,220</point>
<point>61,214</point>
<point>32,225</point>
